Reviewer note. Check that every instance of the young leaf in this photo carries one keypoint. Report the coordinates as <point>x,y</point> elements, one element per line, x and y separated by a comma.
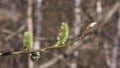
<point>63,35</point>
<point>35,56</point>
<point>28,41</point>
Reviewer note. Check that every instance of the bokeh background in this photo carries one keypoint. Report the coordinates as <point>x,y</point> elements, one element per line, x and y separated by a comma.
<point>99,49</point>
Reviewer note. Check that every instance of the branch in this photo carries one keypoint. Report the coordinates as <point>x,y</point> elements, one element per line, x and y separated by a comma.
<point>51,47</point>
<point>39,50</point>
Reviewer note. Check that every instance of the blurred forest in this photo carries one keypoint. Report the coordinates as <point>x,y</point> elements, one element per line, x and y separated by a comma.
<point>99,49</point>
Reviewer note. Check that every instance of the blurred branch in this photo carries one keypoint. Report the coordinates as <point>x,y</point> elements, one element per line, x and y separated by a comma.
<point>107,52</point>
<point>29,16</point>
<point>112,11</point>
<point>30,25</point>
<point>104,20</point>
<point>116,44</point>
<point>51,62</point>
<point>14,33</point>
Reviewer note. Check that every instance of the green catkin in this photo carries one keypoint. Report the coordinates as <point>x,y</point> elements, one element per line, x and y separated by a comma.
<point>63,35</point>
<point>28,41</point>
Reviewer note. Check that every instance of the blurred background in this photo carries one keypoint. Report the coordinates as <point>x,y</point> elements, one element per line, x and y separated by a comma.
<point>99,49</point>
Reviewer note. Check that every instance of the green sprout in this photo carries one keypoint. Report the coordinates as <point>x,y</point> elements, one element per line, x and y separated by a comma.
<point>28,41</point>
